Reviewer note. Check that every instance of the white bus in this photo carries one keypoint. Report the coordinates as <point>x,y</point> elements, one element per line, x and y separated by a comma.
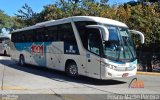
<point>4,45</point>
<point>96,47</point>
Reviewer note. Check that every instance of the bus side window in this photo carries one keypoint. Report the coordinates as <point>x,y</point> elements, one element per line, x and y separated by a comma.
<point>39,35</point>
<point>51,33</point>
<point>1,40</point>
<point>66,34</point>
<point>18,37</point>
<point>13,39</point>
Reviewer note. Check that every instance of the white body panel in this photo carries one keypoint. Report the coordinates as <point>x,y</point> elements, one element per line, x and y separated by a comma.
<point>56,59</point>
<point>93,65</point>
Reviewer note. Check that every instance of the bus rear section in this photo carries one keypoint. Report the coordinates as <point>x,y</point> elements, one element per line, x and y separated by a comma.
<point>5,46</point>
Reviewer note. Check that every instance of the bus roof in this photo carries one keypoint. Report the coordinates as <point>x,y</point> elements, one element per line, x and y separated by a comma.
<point>74,18</point>
<point>4,36</point>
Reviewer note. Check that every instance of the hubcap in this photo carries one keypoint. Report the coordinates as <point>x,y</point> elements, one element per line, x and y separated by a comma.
<point>73,69</point>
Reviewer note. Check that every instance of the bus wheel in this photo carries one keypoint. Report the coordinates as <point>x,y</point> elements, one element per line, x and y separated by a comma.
<point>72,70</point>
<point>21,60</point>
<point>5,53</point>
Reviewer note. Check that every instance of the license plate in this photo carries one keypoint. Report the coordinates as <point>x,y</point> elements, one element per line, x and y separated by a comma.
<point>125,75</point>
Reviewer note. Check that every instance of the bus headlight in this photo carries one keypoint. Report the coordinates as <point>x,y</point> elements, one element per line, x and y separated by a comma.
<point>111,66</point>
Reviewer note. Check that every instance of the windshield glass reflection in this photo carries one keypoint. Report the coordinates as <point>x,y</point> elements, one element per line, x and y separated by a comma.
<point>120,45</point>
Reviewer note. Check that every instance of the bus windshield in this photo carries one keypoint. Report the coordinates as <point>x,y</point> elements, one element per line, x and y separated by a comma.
<point>120,45</point>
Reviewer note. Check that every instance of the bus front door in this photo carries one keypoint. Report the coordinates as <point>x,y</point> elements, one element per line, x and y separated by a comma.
<point>93,56</point>
<point>93,66</point>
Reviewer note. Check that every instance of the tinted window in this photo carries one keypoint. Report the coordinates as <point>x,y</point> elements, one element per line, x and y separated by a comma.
<point>94,41</point>
<point>63,32</point>
<point>28,35</point>
<point>66,33</point>
<point>23,36</point>
<point>81,26</point>
<point>1,39</point>
<point>51,33</point>
<point>39,35</point>
<point>90,37</point>
<point>17,37</point>
<point>13,37</point>
<point>45,34</point>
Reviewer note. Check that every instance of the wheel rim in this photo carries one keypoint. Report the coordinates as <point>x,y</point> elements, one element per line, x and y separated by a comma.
<point>73,70</point>
<point>21,61</point>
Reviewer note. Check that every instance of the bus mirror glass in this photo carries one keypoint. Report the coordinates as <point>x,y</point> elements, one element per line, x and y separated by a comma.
<point>105,32</point>
<point>138,33</point>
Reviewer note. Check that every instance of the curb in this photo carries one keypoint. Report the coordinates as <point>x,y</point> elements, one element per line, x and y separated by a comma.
<point>149,73</point>
<point>13,88</point>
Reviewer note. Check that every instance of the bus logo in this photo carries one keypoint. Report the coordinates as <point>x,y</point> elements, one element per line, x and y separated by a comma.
<point>70,50</point>
<point>37,49</point>
<point>136,83</point>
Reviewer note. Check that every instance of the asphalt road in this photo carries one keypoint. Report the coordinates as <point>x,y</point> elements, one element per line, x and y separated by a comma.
<point>34,83</point>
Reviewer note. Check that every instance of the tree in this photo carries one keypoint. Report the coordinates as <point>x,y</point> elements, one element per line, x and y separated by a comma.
<point>145,18</point>
<point>51,12</point>
<point>148,0</point>
<point>5,22</point>
<point>26,16</point>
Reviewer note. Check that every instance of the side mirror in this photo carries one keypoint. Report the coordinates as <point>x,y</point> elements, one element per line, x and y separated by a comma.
<point>105,32</point>
<point>138,33</point>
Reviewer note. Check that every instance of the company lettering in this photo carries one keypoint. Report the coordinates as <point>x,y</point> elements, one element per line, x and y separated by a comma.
<point>37,49</point>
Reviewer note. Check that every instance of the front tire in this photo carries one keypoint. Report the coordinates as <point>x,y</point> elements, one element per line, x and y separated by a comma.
<point>5,53</point>
<point>21,60</point>
<point>72,70</point>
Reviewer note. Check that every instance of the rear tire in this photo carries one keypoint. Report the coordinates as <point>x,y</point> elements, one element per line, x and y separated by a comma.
<point>5,53</point>
<point>72,70</point>
<point>21,60</point>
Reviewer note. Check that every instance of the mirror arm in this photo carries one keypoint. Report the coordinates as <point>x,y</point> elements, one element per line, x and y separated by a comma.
<point>105,32</point>
<point>138,33</point>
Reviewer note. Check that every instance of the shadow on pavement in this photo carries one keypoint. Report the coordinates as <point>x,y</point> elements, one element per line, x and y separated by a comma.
<point>58,75</point>
<point>4,55</point>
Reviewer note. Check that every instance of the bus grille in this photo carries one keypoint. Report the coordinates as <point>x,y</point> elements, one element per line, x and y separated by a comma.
<point>125,68</point>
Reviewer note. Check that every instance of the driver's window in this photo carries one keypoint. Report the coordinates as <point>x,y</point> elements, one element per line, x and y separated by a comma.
<point>94,41</point>
<point>111,47</point>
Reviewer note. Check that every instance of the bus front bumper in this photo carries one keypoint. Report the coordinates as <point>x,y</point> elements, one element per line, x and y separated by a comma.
<point>107,73</point>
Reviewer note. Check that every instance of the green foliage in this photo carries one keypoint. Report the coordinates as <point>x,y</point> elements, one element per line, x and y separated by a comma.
<point>145,18</point>
<point>8,23</point>
<point>26,16</point>
<point>4,20</point>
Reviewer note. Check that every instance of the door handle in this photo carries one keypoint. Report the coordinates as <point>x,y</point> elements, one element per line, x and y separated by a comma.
<point>89,60</point>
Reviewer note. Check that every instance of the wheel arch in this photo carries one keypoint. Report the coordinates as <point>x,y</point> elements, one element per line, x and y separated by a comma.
<point>22,55</point>
<point>5,52</point>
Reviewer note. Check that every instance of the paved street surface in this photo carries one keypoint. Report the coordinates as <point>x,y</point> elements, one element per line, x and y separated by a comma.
<point>35,81</point>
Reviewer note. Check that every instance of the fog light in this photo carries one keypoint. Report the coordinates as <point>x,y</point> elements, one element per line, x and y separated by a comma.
<point>109,74</point>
